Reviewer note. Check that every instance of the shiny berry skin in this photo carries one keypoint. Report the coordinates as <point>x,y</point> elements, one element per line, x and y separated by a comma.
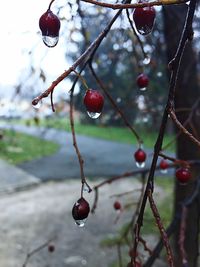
<point>80,209</point>
<point>144,19</point>
<point>93,101</point>
<point>164,164</point>
<point>183,175</point>
<point>117,205</point>
<point>140,155</point>
<point>49,25</point>
<point>142,80</point>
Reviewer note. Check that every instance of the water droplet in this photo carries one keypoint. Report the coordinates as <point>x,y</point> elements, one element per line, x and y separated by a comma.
<point>147,60</point>
<point>140,164</point>
<point>118,99</point>
<point>145,30</point>
<point>159,74</point>
<point>143,88</point>
<point>36,104</point>
<point>86,188</point>
<point>80,223</point>
<point>187,3</point>
<point>93,115</point>
<point>164,171</point>
<point>50,41</point>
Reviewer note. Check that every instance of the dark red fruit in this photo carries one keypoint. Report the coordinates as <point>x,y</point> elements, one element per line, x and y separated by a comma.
<point>51,248</point>
<point>93,101</point>
<point>183,175</point>
<point>164,164</point>
<point>49,24</point>
<point>80,209</point>
<point>144,19</point>
<point>117,205</point>
<point>140,155</point>
<point>142,81</point>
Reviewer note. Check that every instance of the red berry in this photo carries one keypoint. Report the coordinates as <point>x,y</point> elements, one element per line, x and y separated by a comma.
<point>93,101</point>
<point>140,155</point>
<point>144,19</point>
<point>164,164</point>
<point>117,205</point>
<point>80,209</point>
<point>183,175</point>
<point>49,24</point>
<point>142,81</point>
<point>51,248</point>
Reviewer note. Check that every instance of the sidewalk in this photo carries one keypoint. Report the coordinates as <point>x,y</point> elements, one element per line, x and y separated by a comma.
<point>102,158</point>
<point>13,178</point>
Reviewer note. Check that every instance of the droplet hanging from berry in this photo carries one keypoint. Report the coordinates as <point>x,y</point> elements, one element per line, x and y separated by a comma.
<point>94,102</point>
<point>49,25</point>
<point>140,157</point>
<point>80,211</point>
<point>36,103</point>
<point>144,18</point>
<point>142,81</point>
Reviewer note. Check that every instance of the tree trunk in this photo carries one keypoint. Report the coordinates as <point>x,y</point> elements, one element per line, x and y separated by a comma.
<point>187,92</point>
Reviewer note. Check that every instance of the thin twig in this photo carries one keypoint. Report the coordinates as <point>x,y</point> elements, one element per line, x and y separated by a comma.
<point>36,250</point>
<point>175,65</point>
<point>140,4</point>
<point>182,128</point>
<point>161,229</point>
<point>80,159</point>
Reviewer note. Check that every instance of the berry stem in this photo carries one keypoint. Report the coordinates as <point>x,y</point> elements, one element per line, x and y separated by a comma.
<point>50,4</point>
<point>80,159</point>
<point>82,79</point>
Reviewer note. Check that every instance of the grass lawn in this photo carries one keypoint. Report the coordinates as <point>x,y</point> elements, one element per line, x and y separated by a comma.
<point>18,147</point>
<point>119,134</point>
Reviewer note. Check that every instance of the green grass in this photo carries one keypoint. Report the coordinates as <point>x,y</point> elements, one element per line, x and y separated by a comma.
<point>119,134</point>
<point>17,147</point>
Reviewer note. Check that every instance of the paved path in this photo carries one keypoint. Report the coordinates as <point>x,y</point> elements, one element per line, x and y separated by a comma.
<point>101,158</point>
<point>29,218</point>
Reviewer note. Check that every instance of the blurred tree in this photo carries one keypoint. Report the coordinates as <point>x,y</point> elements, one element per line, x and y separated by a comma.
<point>187,92</point>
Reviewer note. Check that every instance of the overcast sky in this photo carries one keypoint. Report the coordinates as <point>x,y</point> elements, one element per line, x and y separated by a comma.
<point>19,35</point>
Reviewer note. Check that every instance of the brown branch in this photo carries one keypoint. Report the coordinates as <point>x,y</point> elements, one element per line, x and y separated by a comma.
<point>192,110</point>
<point>171,228</point>
<point>36,250</point>
<point>175,65</point>
<point>85,56</point>
<point>52,105</point>
<point>142,4</point>
<point>182,235</point>
<point>182,128</point>
<point>176,161</point>
<point>80,159</point>
<point>144,243</point>
<point>161,229</point>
